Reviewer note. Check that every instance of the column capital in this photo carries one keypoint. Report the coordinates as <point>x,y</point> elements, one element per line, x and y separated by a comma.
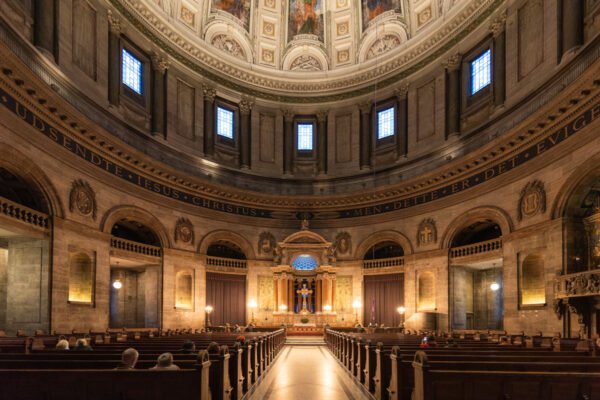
<point>402,91</point>
<point>209,93</point>
<point>160,63</point>
<point>498,24</point>
<point>246,105</point>
<point>322,115</point>
<point>365,108</point>
<point>452,63</point>
<point>114,23</point>
<point>288,115</point>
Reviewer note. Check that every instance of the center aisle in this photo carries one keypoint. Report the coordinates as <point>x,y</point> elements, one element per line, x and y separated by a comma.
<point>307,373</point>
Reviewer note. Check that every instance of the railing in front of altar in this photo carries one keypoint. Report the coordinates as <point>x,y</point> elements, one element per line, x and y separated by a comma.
<point>24,214</point>
<point>135,247</point>
<point>383,263</point>
<point>226,262</point>
<point>476,248</point>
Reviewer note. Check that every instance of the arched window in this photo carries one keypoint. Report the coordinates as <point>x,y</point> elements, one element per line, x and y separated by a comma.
<point>426,291</point>
<point>184,290</point>
<point>135,231</point>
<point>305,262</point>
<point>533,290</point>
<point>225,249</point>
<point>479,231</point>
<point>81,278</point>
<point>386,249</point>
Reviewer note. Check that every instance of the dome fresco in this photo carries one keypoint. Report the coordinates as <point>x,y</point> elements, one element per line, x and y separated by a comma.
<point>304,262</point>
<point>275,44</point>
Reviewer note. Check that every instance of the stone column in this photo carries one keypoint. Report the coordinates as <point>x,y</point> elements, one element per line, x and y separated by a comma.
<point>318,296</point>
<point>309,298</point>
<point>452,66</point>
<point>276,293</point>
<point>288,141</point>
<point>44,27</point>
<point>284,290</point>
<point>402,136</point>
<point>209,126</point>
<point>322,141</point>
<point>499,53</point>
<point>245,133</point>
<point>114,59</point>
<point>333,294</point>
<point>290,304</point>
<point>159,94</point>
<point>571,17</point>
<point>325,300</point>
<point>365,134</point>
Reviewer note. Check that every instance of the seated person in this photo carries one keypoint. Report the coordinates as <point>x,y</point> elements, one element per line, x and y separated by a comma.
<point>428,341</point>
<point>165,361</point>
<point>82,345</point>
<point>213,348</point>
<point>129,358</point>
<point>62,344</point>
<point>237,328</point>
<point>188,347</point>
<point>451,344</point>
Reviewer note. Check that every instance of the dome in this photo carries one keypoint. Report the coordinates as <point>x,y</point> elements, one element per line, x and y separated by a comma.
<point>304,262</point>
<point>313,47</point>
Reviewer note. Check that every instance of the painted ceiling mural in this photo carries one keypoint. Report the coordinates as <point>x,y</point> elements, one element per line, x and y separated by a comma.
<point>307,35</point>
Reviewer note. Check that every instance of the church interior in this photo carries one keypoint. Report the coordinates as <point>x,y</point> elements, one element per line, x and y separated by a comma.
<point>302,199</point>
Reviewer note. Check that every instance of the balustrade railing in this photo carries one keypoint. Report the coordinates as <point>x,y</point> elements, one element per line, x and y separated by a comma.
<point>476,248</point>
<point>383,262</point>
<point>135,247</point>
<point>23,213</point>
<point>226,262</point>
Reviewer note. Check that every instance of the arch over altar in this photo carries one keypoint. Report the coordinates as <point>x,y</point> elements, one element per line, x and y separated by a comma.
<point>304,275</point>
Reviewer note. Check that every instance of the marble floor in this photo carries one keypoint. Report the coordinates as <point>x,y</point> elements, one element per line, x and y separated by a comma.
<point>307,373</point>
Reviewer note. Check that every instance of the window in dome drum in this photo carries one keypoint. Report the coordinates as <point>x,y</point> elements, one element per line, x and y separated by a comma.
<point>132,72</point>
<point>305,137</point>
<point>481,71</point>
<point>225,122</point>
<point>385,123</point>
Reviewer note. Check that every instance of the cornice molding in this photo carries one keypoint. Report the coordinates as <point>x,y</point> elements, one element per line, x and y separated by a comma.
<point>284,89</point>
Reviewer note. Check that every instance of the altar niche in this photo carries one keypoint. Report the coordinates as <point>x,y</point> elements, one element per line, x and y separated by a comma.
<point>304,280</point>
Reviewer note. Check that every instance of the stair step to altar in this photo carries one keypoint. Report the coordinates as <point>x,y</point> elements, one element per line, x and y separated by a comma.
<point>305,340</point>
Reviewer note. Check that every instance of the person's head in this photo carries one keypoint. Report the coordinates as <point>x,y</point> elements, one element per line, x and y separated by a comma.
<point>450,340</point>
<point>213,348</point>
<point>130,357</point>
<point>188,345</point>
<point>430,339</point>
<point>240,339</point>
<point>165,360</point>
<point>62,345</point>
<point>81,343</point>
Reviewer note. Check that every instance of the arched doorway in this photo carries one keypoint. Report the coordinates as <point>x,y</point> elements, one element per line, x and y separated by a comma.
<point>24,253</point>
<point>226,281</point>
<point>476,280</point>
<point>383,294</point>
<point>135,274</point>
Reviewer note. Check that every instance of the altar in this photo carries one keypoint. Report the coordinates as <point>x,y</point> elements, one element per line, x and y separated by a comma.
<point>304,281</point>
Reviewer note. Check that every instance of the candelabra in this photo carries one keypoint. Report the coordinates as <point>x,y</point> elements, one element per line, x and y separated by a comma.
<point>208,310</point>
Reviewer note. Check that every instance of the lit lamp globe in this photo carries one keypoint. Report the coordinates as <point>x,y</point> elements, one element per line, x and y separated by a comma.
<point>327,308</point>
<point>494,286</point>
<point>282,308</point>
<point>117,285</point>
<point>401,310</point>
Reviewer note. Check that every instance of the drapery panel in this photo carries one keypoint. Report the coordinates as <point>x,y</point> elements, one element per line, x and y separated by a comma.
<point>226,293</point>
<point>383,294</point>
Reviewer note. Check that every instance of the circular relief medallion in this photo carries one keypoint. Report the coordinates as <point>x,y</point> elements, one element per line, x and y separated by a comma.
<point>185,233</point>
<point>84,202</point>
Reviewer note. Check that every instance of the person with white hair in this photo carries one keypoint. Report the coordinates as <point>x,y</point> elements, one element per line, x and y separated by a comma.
<point>129,358</point>
<point>62,345</point>
<point>165,361</point>
<point>82,345</point>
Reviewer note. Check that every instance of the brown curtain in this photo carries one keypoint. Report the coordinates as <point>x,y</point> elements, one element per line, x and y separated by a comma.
<point>383,294</point>
<point>226,293</point>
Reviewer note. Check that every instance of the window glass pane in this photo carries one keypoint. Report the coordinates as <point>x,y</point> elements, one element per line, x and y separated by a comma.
<point>481,71</point>
<point>224,122</point>
<point>305,136</point>
<point>132,72</point>
<point>385,123</point>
